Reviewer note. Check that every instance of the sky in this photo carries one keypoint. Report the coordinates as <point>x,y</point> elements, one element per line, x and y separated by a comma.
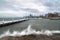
<point>20,8</point>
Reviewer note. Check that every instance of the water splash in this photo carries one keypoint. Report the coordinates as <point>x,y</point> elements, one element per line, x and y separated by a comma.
<point>29,31</point>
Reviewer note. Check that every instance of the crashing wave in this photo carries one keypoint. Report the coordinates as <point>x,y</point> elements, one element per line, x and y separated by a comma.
<point>29,31</point>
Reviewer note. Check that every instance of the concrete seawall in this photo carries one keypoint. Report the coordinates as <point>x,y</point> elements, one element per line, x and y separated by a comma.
<point>6,23</point>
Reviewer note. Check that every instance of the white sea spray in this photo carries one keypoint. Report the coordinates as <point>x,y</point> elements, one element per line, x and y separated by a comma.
<point>29,31</point>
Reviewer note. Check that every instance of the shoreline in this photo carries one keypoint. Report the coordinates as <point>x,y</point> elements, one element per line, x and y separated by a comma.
<point>32,37</point>
<point>52,18</point>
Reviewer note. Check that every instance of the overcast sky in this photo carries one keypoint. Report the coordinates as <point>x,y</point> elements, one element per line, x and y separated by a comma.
<point>19,8</point>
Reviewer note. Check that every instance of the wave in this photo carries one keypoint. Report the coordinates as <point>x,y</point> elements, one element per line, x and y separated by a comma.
<point>29,31</point>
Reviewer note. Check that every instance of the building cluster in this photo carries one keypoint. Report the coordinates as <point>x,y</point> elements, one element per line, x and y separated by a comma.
<point>52,15</point>
<point>48,15</point>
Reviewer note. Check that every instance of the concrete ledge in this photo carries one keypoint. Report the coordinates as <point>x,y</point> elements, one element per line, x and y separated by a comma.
<point>32,37</point>
<point>6,23</point>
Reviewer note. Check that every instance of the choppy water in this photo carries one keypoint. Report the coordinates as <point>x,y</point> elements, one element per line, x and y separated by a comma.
<point>29,31</point>
<point>38,24</point>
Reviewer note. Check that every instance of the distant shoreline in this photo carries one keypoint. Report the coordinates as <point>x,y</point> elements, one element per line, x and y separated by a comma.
<point>52,18</point>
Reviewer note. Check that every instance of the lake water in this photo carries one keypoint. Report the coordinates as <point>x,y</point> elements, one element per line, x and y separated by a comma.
<point>38,24</point>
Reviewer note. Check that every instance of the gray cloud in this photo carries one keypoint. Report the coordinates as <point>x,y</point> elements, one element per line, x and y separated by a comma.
<point>29,6</point>
<point>54,5</point>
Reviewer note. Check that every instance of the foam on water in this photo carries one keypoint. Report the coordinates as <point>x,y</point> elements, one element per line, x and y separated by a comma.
<point>29,31</point>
